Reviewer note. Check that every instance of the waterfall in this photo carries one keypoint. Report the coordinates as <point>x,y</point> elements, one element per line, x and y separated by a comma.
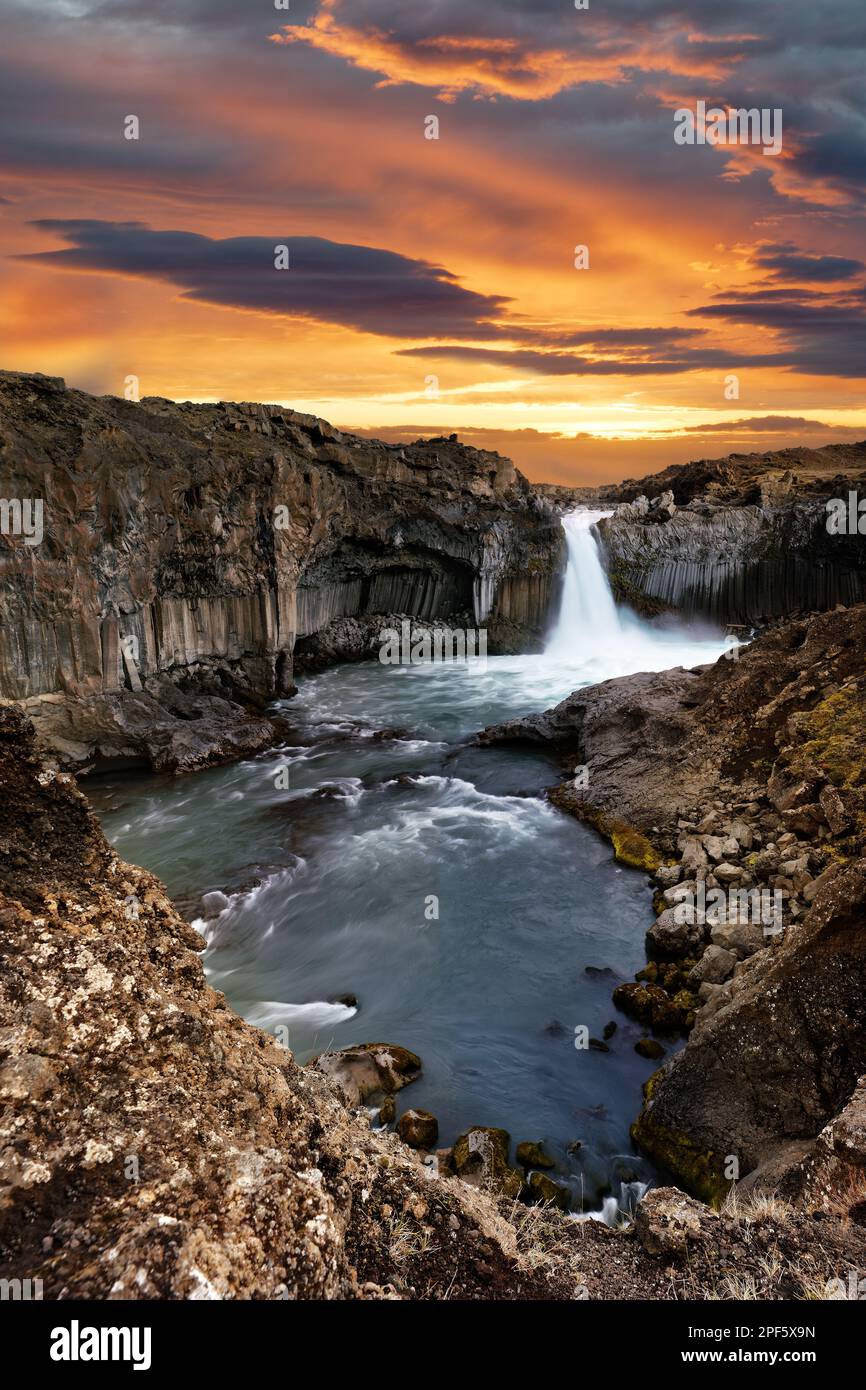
<point>587,614</point>
<point>595,639</point>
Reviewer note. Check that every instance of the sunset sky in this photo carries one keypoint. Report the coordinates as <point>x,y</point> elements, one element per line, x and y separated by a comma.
<point>418,264</point>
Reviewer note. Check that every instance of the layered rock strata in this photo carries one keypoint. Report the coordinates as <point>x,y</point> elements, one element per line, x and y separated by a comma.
<point>185,548</point>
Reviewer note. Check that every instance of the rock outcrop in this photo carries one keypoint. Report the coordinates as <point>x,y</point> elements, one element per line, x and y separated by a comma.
<point>742,540</point>
<point>738,564</point>
<point>186,548</point>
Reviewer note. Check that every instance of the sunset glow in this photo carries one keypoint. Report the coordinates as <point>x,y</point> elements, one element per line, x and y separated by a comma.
<point>432,284</point>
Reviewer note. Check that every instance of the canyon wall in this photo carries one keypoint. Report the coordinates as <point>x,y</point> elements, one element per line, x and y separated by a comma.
<point>186,548</point>
<point>741,540</point>
<point>740,564</point>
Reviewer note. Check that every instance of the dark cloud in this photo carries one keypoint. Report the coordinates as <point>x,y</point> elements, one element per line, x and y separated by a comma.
<point>836,157</point>
<point>570,364</point>
<point>764,424</point>
<point>785,262</point>
<point>820,337</point>
<point>359,287</point>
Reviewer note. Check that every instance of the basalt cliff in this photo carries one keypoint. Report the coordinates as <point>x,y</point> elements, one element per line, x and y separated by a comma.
<point>741,540</point>
<point>191,553</point>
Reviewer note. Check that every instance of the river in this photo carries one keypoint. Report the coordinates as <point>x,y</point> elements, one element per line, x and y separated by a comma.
<point>429,880</point>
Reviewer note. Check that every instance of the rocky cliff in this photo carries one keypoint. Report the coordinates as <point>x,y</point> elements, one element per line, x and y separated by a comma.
<point>742,540</point>
<point>187,549</point>
<point>741,565</point>
<point>745,779</point>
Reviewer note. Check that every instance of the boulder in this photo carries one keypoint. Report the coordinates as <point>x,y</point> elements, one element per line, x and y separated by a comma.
<point>668,875</point>
<point>692,854</point>
<point>368,1069</point>
<point>740,831</point>
<point>666,1222</point>
<point>834,810</point>
<point>714,966</point>
<point>676,931</point>
<point>740,938</point>
<point>544,1189</point>
<point>720,847</point>
<point>728,873</point>
<point>532,1155</point>
<point>481,1159</point>
<point>418,1128</point>
<point>849,1129</point>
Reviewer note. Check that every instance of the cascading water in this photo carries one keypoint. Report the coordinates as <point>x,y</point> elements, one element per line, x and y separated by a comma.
<point>411,887</point>
<point>588,614</point>
<point>595,639</point>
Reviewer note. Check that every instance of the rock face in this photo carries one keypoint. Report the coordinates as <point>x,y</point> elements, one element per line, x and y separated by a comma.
<point>187,548</point>
<point>736,564</point>
<point>741,539</point>
<point>776,1062</point>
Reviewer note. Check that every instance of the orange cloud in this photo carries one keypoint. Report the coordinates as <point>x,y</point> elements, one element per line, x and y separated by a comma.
<point>509,67</point>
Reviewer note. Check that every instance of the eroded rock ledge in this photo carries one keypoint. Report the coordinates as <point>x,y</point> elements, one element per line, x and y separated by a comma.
<point>742,540</point>
<point>188,547</point>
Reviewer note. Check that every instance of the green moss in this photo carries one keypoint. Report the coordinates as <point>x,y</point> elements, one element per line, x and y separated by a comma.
<point>625,589</point>
<point>630,845</point>
<point>834,737</point>
<point>701,1172</point>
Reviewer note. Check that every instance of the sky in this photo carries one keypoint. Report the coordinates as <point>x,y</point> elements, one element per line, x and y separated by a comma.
<point>285,226</point>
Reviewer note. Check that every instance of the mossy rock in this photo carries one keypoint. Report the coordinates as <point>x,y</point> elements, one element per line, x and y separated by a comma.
<point>648,1047</point>
<point>481,1158</point>
<point>532,1155</point>
<point>834,738</point>
<point>652,1006</point>
<point>544,1189</point>
<point>418,1128</point>
<point>700,1172</point>
<point>630,845</point>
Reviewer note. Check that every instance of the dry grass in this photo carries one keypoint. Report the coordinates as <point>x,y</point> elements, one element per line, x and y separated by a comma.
<point>406,1242</point>
<point>756,1208</point>
<point>849,1191</point>
<point>546,1242</point>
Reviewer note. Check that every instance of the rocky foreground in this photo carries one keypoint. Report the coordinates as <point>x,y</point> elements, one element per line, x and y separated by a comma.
<point>153,1145</point>
<point>741,788</point>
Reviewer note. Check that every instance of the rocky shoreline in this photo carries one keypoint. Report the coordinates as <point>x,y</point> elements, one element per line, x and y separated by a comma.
<point>188,549</point>
<point>740,788</point>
